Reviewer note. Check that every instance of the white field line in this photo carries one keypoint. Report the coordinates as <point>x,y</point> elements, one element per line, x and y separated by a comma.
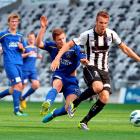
<point>107,121</point>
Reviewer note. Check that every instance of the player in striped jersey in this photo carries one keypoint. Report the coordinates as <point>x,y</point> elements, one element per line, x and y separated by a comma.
<point>96,43</point>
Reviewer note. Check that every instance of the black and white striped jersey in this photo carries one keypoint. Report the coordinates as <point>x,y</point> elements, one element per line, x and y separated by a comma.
<point>97,47</point>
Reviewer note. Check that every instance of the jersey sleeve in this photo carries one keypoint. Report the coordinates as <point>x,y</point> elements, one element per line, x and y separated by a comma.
<point>1,36</point>
<point>48,46</point>
<point>79,52</point>
<point>116,38</point>
<point>81,40</point>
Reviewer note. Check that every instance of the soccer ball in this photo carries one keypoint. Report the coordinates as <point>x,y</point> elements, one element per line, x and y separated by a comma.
<point>135,117</point>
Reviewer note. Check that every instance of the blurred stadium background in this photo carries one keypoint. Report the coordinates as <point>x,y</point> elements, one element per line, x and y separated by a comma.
<point>76,16</point>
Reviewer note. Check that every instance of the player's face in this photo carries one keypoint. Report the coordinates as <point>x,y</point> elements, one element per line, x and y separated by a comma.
<point>60,40</point>
<point>101,25</point>
<point>31,39</point>
<point>13,23</point>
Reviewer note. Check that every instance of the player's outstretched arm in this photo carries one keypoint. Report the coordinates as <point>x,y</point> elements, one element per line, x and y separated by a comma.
<point>40,36</point>
<point>129,52</point>
<point>56,62</point>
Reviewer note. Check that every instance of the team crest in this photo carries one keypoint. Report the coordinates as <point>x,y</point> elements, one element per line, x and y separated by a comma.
<point>67,55</point>
<point>109,39</point>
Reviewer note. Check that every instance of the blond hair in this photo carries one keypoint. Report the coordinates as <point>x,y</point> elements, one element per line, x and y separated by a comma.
<point>13,16</point>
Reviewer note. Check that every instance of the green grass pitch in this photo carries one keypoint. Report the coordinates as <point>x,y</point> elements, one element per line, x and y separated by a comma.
<point>111,124</point>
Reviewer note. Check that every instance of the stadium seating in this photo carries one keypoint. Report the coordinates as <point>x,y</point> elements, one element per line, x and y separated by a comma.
<point>78,18</point>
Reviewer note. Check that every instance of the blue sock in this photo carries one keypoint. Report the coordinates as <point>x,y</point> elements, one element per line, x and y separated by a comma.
<point>51,95</point>
<point>4,93</point>
<point>59,112</point>
<point>28,93</point>
<point>16,99</point>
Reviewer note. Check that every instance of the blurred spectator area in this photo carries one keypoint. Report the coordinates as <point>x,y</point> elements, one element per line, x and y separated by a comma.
<point>76,18</point>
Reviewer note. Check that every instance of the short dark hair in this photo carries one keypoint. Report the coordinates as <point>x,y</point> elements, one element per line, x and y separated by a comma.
<point>57,32</point>
<point>102,14</point>
<point>13,15</point>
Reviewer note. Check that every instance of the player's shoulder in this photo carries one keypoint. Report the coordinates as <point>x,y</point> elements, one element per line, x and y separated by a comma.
<point>75,47</point>
<point>108,30</point>
<point>85,33</point>
<point>113,35</point>
<point>50,44</point>
<point>19,33</point>
<point>4,33</point>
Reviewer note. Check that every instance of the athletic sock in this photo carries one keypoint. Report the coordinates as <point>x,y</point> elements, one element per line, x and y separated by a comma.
<point>4,93</point>
<point>51,95</point>
<point>16,99</point>
<point>85,95</point>
<point>59,112</point>
<point>28,93</point>
<point>95,109</point>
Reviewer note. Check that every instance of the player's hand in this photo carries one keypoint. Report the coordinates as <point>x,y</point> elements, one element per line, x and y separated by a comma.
<point>55,64</point>
<point>31,52</point>
<point>43,22</point>
<point>20,46</point>
<point>39,56</point>
<point>84,61</point>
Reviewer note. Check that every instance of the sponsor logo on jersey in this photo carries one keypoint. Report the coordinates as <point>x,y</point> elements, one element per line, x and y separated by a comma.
<point>65,62</point>
<point>13,44</point>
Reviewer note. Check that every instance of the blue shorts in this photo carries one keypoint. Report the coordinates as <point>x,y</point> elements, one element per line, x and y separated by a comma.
<point>14,73</point>
<point>70,84</point>
<point>29,75</point>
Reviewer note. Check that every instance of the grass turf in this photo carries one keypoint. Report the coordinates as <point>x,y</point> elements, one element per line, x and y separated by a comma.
<point>111,123</point>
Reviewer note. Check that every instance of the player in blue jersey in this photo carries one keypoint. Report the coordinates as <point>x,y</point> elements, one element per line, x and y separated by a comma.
<point>63,79</point>
<point>29,69</point>
<point>12,44</point>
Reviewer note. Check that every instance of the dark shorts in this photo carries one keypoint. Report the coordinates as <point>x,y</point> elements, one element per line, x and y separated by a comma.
<point>92,74</point>
<point>70,84</point>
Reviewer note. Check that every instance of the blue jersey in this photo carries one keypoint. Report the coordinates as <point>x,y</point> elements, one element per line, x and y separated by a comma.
<point>69,61</point>
<point>29,61</point>
<point>9,43</point>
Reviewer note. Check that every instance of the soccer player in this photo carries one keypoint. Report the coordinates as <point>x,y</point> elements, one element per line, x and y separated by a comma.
<point>12,44</point>
<point>63,79</point>
<point>29,69</point>
<point>96,43</point>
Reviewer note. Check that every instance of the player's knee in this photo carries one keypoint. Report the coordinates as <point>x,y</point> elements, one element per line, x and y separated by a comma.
<point>104,96</point>
<point>35,85</point>
<point>18,86</point>
<point>57,87</point>
<point>97,88</point>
